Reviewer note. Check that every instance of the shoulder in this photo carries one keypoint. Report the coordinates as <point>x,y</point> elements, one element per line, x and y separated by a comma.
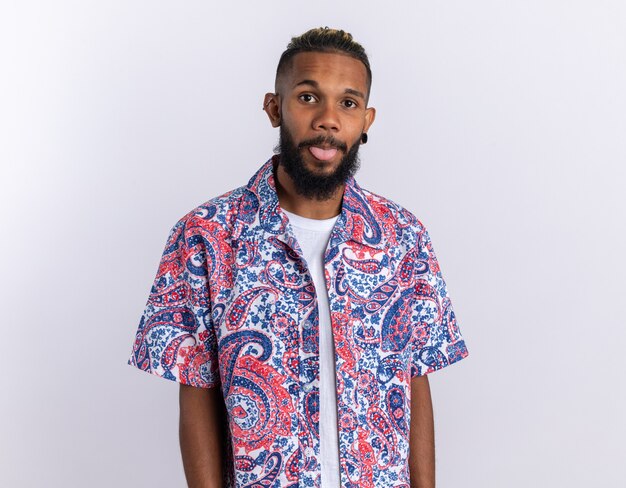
<point>401,225</point>
<point>215,216</point>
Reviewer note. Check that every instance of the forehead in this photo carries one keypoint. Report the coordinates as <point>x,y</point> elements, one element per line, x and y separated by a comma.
<point>326,68</point>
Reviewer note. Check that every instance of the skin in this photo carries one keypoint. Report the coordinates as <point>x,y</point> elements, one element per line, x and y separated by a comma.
<point>422,435</point>
<point>322,94</point>
<point>201,432</point>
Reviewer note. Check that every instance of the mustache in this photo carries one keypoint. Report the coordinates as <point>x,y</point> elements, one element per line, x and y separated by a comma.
<point>326,141</point>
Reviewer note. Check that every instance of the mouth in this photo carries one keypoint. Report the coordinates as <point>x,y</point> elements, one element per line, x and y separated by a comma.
<point>323,153</point>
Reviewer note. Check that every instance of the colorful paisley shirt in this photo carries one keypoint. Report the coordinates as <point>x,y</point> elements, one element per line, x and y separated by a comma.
<point>233,305</point>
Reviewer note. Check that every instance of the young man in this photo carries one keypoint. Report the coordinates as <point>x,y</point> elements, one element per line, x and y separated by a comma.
<point>302,313</point>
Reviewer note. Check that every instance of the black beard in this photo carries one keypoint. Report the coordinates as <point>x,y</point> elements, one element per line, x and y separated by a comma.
<point>307,183</point>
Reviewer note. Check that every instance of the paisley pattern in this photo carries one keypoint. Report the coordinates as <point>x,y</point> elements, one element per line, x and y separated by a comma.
<point>234,306</point>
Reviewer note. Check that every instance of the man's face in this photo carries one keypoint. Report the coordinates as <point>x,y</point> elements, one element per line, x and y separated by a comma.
<point>321,110</point>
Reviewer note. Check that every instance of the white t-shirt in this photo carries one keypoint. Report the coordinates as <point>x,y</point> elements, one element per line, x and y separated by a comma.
<point>313,236</point>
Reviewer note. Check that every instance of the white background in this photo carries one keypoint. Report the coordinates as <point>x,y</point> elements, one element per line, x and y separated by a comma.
<point>501,125</point>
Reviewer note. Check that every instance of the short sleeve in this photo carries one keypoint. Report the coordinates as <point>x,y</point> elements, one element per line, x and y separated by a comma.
<point>436,338</point>
<point>175,337</point>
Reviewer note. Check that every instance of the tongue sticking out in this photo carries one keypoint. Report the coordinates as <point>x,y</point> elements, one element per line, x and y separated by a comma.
<point>323,154</point>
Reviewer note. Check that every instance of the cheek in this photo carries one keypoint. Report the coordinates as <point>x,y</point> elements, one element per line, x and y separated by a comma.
<point>296,124</point>
<point>294,112</point>
<point>354,123</point>
<point>353,129</point>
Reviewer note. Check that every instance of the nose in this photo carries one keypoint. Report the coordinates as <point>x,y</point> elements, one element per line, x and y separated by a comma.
<point>327,118</point>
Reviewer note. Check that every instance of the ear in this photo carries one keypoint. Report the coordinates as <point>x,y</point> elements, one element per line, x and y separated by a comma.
<point>370,115</point>
<point>271,105</point>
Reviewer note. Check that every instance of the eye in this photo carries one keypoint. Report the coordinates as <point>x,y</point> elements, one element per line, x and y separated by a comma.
<point>350,103</point>
<point>307,98</point>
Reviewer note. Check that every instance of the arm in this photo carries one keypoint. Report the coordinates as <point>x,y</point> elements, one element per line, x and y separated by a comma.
<point>422,435</point>
<point>202,427</point>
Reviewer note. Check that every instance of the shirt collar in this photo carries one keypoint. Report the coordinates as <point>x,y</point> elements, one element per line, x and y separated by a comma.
<point>260,214</point>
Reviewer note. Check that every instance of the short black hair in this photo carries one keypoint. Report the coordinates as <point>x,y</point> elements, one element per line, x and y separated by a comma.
<point>324,40</point>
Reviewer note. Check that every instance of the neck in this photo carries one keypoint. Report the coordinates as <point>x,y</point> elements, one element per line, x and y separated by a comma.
<point>290,200</point>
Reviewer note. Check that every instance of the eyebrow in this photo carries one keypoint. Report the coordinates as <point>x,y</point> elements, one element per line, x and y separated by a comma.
<point>315,84</point>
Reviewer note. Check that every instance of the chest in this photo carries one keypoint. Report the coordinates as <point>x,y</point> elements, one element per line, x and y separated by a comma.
<point>266,287</point>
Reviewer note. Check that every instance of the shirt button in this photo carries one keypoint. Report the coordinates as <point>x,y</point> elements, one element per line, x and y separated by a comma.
<point>307,324</point>
<point>309,452</point>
